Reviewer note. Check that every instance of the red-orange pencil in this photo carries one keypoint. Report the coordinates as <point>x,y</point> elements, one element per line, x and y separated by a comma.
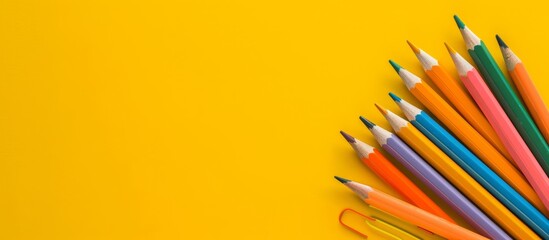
<point>383,168</point>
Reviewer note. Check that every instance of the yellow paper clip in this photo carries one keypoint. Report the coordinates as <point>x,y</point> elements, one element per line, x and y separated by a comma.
<point>412,229</point>
<point>377,225</point>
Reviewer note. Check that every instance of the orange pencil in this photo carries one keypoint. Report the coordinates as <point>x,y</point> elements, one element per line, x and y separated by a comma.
<point>457,176</point>
<point>383,168</point>
<point>460,98</point>
<point>526,88</point>
<point>409,213</point>
<point>465,132</point>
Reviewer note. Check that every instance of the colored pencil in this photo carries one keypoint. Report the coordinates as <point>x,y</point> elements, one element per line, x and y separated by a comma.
<point>436,182</point>
<point>408,212</point>
<point>457,176</point>
<point>457,125</point>
<point>526,88</point>
<point>503,126</point>
<point>458,97</point>
<point>505,95</point>
<point>384,169</point>
<point>476,168</point>
<point>423,122</point>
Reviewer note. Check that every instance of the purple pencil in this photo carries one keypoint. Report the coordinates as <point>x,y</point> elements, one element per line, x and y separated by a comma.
<point>430,177</point>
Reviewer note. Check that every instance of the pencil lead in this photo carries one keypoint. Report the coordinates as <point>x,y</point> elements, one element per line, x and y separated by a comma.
<point>395,65</point>
<point>501,43</point>
<point>459,23</point>
<point>348,137</point>
<point>395,97</point>
<point>381,109</point>
<point>342,180</point>
<point>367,122</point>
<point>413,47</point>
<point>450,49</point>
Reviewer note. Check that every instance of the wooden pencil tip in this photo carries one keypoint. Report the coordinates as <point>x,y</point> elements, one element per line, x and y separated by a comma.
<point>348,137</point>
<point>450,49</point>
<point>381,109</point>
<point>395,65</point>
<point>367,122</point>
<point>413,47</point>
<point>342,180</point>
<point>395,97</point>
<point>459,23</point>
<point>501,43</point>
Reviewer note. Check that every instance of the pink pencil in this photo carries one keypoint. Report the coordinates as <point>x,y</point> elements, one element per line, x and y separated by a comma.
<point>503,126</point>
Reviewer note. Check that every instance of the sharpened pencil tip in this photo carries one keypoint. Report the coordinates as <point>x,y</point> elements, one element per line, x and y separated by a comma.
<point>395,65</point>
<point>381,109</point>
<point>450,49</point>
<point>342,180</point>
<point>501,43</point>
<point>348,137</point>
<point>413,47</point>
<point>395,97</point>
<point>460,23</point>
<point>367,122</point>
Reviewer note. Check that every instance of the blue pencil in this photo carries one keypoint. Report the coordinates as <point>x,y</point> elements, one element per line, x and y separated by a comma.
<point>523,209</point>
<point>429,176</point>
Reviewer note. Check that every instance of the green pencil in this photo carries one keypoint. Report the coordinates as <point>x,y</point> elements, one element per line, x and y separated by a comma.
<point>505,94</point>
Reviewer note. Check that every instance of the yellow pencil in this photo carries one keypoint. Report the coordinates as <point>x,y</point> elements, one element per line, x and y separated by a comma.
<point>460,98</point>
<point>458,177</point>
<point>466,133</point>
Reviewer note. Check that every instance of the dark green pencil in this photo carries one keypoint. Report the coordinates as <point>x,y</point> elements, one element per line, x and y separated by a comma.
<point>506,96</point>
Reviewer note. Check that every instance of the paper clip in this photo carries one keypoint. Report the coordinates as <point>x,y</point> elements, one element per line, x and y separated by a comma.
<point>420,228</point>
<point>377,225</point>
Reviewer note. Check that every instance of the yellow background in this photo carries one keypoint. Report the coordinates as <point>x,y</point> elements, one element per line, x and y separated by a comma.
<point>211,119</point>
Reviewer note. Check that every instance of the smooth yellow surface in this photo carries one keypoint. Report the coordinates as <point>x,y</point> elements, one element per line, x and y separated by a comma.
<point>211,119</point>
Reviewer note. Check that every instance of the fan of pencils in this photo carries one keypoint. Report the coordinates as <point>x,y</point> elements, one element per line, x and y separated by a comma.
<point>487,155</point>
